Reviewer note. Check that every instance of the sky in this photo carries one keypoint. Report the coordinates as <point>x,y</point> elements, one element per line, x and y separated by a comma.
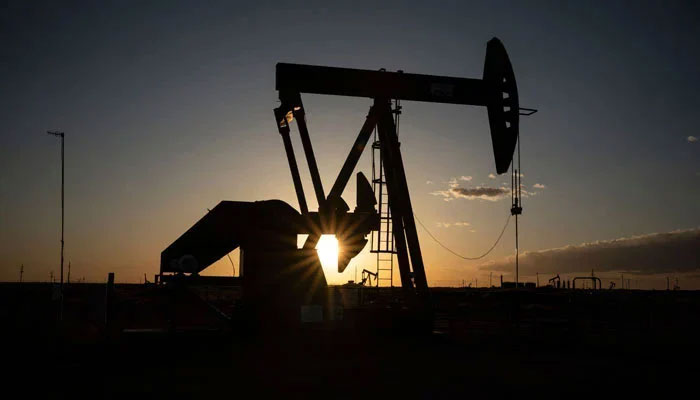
<point>167,110</point>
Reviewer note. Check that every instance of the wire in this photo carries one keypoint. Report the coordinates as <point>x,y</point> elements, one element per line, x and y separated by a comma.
<point>459,255</point>
<point>232,265</point>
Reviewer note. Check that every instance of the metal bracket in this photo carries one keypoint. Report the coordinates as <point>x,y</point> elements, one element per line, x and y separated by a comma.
<point>526,111</point>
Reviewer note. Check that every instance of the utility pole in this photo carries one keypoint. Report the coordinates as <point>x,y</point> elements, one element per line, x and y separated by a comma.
<point>21,273</point>
<point>68,279</point>
<point>62,136</point>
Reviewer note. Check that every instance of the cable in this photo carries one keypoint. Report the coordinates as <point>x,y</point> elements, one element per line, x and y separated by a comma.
<point>459,255</point>
<point>232,265</point>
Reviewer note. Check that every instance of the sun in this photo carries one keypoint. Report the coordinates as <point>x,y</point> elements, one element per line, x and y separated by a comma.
<point>327,248</point>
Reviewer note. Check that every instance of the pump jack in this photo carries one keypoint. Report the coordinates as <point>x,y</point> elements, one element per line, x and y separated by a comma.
<point>273,270</point>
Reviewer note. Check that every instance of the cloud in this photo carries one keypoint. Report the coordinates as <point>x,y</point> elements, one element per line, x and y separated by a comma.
<point>480,192</point>
<point>490,193</point>
<point>449,224</point>
<point>676,251</point>
<point>445,194</point>
<point>692,139</point>
<point>428,182</point>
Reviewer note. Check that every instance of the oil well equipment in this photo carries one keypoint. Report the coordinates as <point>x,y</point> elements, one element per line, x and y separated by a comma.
<point>281,281</point>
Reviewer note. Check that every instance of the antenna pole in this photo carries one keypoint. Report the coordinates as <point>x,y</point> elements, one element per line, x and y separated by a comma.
<point>62,136</point>
<point>517,251</point>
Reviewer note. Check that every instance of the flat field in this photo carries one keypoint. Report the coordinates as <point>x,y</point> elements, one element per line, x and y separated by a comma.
<point>186,342</point>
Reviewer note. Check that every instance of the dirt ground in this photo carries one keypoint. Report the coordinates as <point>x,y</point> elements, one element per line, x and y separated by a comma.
<point>160,342</point>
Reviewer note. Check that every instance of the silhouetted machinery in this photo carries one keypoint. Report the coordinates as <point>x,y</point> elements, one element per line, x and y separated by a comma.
<point>597,283</point>
<point>277,276</point>
<point>555,282</point>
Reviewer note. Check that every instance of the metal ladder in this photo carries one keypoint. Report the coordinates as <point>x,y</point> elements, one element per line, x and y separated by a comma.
<point>383,239</point>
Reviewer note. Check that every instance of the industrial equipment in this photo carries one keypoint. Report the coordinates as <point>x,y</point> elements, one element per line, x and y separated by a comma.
<point>597,284</point>
<point>276,275</point>
<point>555,281</point>
<point>367,277</point>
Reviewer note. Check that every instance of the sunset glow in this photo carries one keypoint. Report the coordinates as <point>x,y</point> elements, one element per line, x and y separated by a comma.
<point>327,249</point>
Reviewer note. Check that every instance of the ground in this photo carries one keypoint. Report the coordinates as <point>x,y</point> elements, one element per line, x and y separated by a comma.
<point>161,342</point>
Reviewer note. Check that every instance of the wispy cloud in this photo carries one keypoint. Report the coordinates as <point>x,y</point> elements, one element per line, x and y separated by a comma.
<point>692,139</point>
<point>480,192</point>
<point>675,251</point>
<point>445,194</point>
<point>458,224</point>
<point>428,182</point>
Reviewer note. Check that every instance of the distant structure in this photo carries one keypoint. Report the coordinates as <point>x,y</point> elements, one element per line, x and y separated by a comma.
<point>62,136</point>
<point>597,284</point>
<point>555,282</point>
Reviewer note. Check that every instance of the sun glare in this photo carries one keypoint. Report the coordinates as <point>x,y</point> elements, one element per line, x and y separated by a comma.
<point>327,249</point>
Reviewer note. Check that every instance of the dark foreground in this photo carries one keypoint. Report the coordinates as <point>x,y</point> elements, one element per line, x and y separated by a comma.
<point>161,342</point>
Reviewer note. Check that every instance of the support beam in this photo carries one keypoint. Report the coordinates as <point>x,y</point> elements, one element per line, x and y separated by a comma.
<point>395,204</point>
<point>399,195</point>
<point>300,116</point>
<point>354,155</point>
<point>289,150</point>
<point>379,84</point>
